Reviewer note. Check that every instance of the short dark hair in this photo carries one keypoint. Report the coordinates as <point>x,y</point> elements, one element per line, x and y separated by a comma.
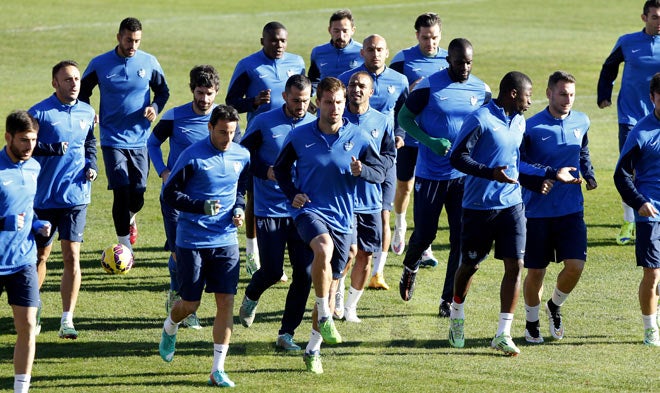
<point>560,76</point>
<point>204,76</point>
<point>130,24</point>
<point>458,44</point>
<point>341,15</point>
<point>514,80</point>
<point>223,112</point>
<point>20,121</point>
<point>428,19</point>
<point>64,63</point>
<point>299,81</point>
<point>365,73</point>
<point>330,84</point>
<point>655,84</point>
<point>650,4</point>
<point>272,27</point>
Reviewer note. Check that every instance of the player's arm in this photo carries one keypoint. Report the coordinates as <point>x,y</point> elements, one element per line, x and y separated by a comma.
<point>252,141</point>
<point>586,167</point>
<point>608,74</point>
<point>163,130</point>
<point>387,147</point>
<point>88,81</point>
<point>158,85</point>
<point>91,167</point>
<point>415,103</point>
<point>241,189</point>
<point>237,91</point>
<point>372,167</point>
<point>400,103</point>
<point>624,175</point>
<point>174,195</point>
<point>282,170</point>
<point>314,73</point>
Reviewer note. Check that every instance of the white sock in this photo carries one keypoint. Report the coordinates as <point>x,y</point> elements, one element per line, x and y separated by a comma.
<point>314,343</point>
<point>170,327</point>
<point>323,307</point>
<point>219,355</point>
<point>125,240</point>
<point>650,321</point>
<point>382,260</point>
<point>375,258</point>
<point>21,383</point>
<point>628,213</point>
<point>456,311</point>
<point>559,297</point>
<point>67,316</point>
<point>399,220</point>
<point>341,284</point>
<point>132,219</point>
<point>251,245</point>
<point>532,313</point>
<point>504,326</point>
<point>353,297</point>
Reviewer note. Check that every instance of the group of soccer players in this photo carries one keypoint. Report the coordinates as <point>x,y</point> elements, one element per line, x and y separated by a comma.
<point>323,161</point>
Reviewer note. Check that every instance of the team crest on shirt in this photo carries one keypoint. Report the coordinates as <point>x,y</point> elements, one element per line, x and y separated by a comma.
<point>348,146</point>
<point>473,100</point>
<point>142,73</point>
<point>391,89</point>
<point>354,63</point>
<point>83,124</point>
<point>374,133</point>
<point>237,167</point>
<point>577,132</point>
<point>290,72</point>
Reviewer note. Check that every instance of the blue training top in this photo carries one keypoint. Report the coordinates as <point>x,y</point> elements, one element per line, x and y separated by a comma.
<point>327,60</point>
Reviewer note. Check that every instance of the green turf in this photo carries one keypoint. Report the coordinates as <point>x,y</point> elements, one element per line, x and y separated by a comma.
<point>399,346</point>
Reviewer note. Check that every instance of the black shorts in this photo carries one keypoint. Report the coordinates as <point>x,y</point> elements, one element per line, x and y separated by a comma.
<point>555,239</point>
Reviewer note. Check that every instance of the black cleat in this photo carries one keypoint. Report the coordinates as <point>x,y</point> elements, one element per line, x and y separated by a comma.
<point>407,284</point>
<point>445,309</point>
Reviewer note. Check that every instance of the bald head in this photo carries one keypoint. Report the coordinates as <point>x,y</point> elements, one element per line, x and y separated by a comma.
<point>374,52</point>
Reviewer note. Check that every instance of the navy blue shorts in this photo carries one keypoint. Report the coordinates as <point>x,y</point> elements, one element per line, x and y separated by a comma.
<point>647,244</point>
<point>68,222</point>
<point>406,159</point>
<point>22,287</point>
<point>555,239</point>
<point>275,235</point>
<point>388,189</point>
<point>216,268</point>
<point>170,218</point>
<point>368,230</point>
<point>310,225</point>
<point>126,167</point>
<point>505,227</point>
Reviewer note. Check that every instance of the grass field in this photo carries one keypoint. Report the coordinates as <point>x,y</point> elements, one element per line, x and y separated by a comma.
<point>399,346</point>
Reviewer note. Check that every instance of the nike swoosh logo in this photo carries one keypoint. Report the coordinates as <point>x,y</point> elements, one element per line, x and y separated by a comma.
<point>635,50</point>
<point>6,183</point>
<point>55,123</point>
<point>206,168</point>
<point>261,76</point>
<point>653,143</point>
<point>443,98</point>
<point>323,64</point>
<point>110,76</point>
<point>277,135</point>
<point>310,145</point>
<point>545,138</point>
<point>496,128</point>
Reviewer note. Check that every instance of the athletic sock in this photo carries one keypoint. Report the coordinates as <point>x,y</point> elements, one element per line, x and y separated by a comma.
<point>315,340</point>
<point>456,310</point>
<point>125,240</point>
<point>559,297</point>
<point>628,213</point>
<point>504,325</point>
<point>67,316</point>
<point>250,245</point>
<point>169,326</point>
<point>399,220</point>
<point>323,307</point>
<point>21,383</point>
<point>341,284</point>
<point>375,260</point>
<point>132,219</point>
<point>219,355</point>
<point>382,260</point>
<point>353,297</point>
<point>532,313</point>
<point>650,321</point>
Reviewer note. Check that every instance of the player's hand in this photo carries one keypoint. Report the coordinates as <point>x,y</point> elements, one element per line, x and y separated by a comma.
<point>399,142</point>
<point>300,200</point>
<point>150,113</point>
<point>440,146</point>
<point>20,221</point>
<point>165,174</point>
<point>564,175</point>
<point>412,85</point>
<point>591,184</point>
<point>96,118</point>
<point>211,207</point>
<point>270,174</point>
<point>44,230</point>
<point>500,175</point>
<point>604,104</point>
<point>91,174</point>
<point>356,166</point>
<point>546,186</point>
<point>239,216</point>
<point>647,210</point>
<point>262,98</point>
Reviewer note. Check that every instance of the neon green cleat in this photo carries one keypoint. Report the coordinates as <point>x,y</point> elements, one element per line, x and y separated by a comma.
<point>68,331</point>
<point>504,343</point>
<point>191,321</point>
<point>651,338</point>
<point>313,362</point>
<point>167,346</point>
<point>456,332</point>
<point>627,233</point>
<point>329,331</point>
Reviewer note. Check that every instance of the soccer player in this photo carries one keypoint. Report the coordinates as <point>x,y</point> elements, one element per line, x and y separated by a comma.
<point>555,137</point>
<point>433,115</point>
<point>369,196</point>
<point>636,179</point>
<point>416,63</point>
<point>276,230</point>
<point>183,126</point>
<point>18,271</point>
<point>487,150</point>
<point>66,151</point>
<point>341,54</point>
<point>390,92</point>
<point>256,86</point>
<point>640,53</point>
<point>207,186</point>
<point>125,76</point>
<point>330,155</point>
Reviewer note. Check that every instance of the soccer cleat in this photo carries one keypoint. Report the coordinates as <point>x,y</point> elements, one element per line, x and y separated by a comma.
<point>191,321</point>
<point>651,337</point>
<point>339,304</point>
<point>167,346</point>
<point>504,343</point>
<point>37,327</point>
<point>444,309</point>
<point>172,297</point>
<point>627,233</point>
<point>554,317</point>
<point>456,332</point>
<point>133,231</point>
<point>68,331</point>
<point>427,259</point>
<point>313,362</point>
<point>284,277</point>
<point>398,243</point>
<point>286,343</point>
<point>220,379</point>
<point>247,311</point>
<point>533,333</point>
<point>407,284</point>
<point>329,331</point>
<point>350,315</point>
<point>252,263</point>
<point>377,281</point>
